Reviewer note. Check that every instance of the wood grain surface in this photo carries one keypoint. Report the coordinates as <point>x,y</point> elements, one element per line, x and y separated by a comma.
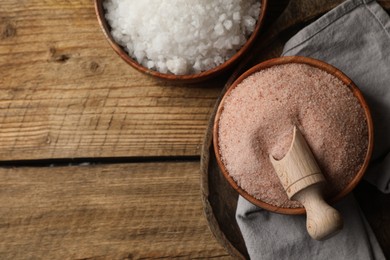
<point>115,211</point>
<point>64,96</point>
<point>66,93</point>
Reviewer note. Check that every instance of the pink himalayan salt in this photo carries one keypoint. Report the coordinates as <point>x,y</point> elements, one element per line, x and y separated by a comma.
<point>258,119</point>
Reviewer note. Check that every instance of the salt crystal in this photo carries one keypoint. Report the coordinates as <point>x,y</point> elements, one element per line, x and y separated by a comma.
<point>236,16</point>
<point>249,23</point>
<point>207,63</point>
<point>162,66</point>
<point>139,55</point>
<point>149,64</point>
<point>218,60</point>
<point>222,17</point>
<point>219,30</point>
<point>236,40</point>
<point>219,44</point>
<point>228,24</point>
<point>148,29</point>
<point>198,65</point>
<point>177,65</point>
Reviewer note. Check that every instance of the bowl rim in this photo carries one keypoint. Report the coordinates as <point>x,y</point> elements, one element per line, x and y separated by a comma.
<point>317,64</point>
<point>188,78</point>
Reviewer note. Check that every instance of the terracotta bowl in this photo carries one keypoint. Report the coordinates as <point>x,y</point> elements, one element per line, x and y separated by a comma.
<point>100,12</point>
<point>325,67</point>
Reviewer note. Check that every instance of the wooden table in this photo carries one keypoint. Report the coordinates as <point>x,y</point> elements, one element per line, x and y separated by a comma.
<point>98,161</point>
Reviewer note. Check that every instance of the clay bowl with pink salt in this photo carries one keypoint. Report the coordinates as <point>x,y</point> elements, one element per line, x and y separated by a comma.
<point>158,54</point>
<point>256,117</point>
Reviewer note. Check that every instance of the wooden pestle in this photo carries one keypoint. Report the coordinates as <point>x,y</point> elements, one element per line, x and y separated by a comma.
<point>303,181</point>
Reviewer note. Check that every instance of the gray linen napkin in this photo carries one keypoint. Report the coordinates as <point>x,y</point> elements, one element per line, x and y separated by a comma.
<point>354,37</point>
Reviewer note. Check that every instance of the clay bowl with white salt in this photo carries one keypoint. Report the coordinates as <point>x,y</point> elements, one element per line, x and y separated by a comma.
<point>181,41</point>
<point>256,118</point>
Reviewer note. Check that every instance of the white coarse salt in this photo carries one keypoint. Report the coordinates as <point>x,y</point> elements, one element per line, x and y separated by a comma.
<point>181,36</point>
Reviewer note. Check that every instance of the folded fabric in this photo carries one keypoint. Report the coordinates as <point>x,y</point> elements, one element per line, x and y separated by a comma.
<point>269,235</point>
<point>354,37</point>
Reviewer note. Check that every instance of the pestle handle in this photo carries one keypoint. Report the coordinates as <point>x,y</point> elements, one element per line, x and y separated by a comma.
<point>322,221</point>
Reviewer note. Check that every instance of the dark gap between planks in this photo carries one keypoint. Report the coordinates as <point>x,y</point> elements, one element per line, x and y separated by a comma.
<point>60,162</point>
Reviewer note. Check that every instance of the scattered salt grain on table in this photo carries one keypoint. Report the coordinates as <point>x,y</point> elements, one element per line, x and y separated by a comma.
<point>258,118</point>
<point>181,36</point>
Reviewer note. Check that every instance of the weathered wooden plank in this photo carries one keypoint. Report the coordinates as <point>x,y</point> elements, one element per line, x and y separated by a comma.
<point>117,211</point>
<point>64,92</point>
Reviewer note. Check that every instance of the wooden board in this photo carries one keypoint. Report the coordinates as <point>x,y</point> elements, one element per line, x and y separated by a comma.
<point>66,93</point>
<point>219,198</point>
<point>115,211</point>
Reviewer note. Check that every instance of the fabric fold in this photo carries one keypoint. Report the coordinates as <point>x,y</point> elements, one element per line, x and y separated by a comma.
<point>269,235</point>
